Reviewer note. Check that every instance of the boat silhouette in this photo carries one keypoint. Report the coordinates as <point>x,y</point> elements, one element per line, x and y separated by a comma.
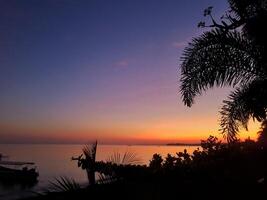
<point>17,172</point>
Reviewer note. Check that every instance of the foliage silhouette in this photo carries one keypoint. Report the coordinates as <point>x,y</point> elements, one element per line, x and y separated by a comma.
<point>232,53</point>
<point>262,135</point>
<point>156,162</point>
<point>108,171</point>
<point>63,184</point>
<point>213,166</point>
<point>215,161</point>
<point>128,158</point>
<point>87,161</point>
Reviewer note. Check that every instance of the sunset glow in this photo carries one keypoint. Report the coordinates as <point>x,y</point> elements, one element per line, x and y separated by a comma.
<point>80,72</point>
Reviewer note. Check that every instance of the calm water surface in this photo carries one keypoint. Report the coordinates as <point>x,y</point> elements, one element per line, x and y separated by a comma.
<point>55,160</point>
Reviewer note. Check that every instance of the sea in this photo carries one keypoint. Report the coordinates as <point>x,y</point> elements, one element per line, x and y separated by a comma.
<point>54,160</point>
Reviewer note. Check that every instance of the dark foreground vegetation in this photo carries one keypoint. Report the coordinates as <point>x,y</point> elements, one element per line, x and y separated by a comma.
<point>217,170</point>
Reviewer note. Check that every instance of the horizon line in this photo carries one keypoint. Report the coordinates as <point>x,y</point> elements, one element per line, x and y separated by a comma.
<point>127,144</point>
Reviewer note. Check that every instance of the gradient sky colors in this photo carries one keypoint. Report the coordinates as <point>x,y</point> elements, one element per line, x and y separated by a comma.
<point>72,71</point>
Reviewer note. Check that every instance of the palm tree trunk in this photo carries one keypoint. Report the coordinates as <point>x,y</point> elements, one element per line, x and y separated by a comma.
<point>91,176</point>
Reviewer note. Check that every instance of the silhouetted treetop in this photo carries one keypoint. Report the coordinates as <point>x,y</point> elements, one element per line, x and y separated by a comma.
<point>231,53</point>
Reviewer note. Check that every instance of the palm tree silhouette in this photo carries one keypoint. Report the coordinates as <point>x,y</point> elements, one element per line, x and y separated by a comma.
<point>87,161</point>
<point>232,53</point>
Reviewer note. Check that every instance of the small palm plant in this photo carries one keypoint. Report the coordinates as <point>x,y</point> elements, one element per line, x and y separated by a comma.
<point>109,170</point>
<point>128,158</point>
<point>63,184</point>
<point>87,161</point>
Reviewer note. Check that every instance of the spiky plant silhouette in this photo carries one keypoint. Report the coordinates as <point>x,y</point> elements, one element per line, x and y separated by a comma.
<point>127,158</point>
<point>63,184</point>
<point>87,161</point>
<point>106,170</point>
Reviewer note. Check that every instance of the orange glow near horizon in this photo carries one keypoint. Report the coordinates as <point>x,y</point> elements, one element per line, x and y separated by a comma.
<point>158,133</point>
<point>150,116</point>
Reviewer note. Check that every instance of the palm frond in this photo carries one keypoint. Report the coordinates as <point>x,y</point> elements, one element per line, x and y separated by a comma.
<point>217,58</point>
<point>245,102</point>
<point>89,151</point>
<point>63,184</point>
<point>87,161</point>
<point>244,9</point>
<point>128,158</point>
<point>105,179</point>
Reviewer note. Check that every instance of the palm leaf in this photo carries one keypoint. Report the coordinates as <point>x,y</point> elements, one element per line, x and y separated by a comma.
<point>244,9</point>
<point>217,58</point>
<point>128,158</point>
<point>87,161</point>
<point>245,102</point>
<point>63,184</point>
<point>105,179</point>
<point>89,152</point>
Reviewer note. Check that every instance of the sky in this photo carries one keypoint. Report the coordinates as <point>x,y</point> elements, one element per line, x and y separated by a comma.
<point>72,71</point>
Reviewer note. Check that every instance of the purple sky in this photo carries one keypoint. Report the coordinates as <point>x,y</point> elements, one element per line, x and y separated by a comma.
<point>72,71</point>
